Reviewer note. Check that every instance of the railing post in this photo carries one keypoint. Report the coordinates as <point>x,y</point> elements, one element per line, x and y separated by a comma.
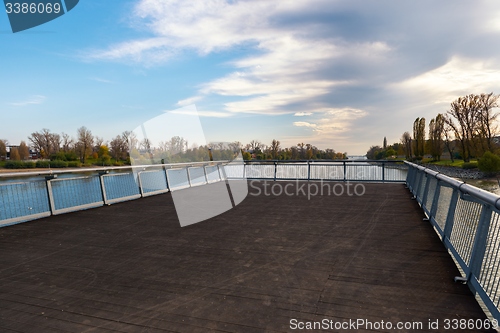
<point>165,170</point>
<point>103,188</point>
<point>139,182</point>
<point>383,171</point>
<point>206,176</point>
<point>308,170</point>
<point>426,191</point>
<point>188,176</point>
<point>50,196</point>
<point>450,217</point>
<point>345,170</point>
<point>275,169</point>
<point>480,242</point>
<point>435,200</point>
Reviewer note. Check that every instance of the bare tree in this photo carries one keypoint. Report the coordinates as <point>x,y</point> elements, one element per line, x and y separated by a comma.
<point>67,142</point>
<point>45,142</point>
<point>84,143</point>
<point>407,145</point>
<point>487,126</point>
<point>463,118</point>
<point>274,149</point>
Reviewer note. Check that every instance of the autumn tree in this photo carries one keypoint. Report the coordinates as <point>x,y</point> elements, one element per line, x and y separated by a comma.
<point>14,154</point>
<point>3,149</point>
<point>24,151</point>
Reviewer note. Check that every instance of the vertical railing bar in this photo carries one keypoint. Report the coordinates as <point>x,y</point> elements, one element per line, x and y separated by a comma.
<point>308,170</point>
<point>480,241</point>
<point>450,217</point>
<point>435,200</point>
<point>103,187</point>
<point>383,172</point>
<point>426,191</point>
<point>494,245</point>
<point>188,176</point>
<point>275,169</point>
<point>139,183</point>
<point>345,170</point>
<point>50,195</point>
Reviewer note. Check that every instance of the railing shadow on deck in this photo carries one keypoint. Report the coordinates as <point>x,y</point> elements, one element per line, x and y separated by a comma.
<point>468,221</point>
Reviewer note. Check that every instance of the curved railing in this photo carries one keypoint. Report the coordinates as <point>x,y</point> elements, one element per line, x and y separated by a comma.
<point>468,221</point>
<point>53,192</point>
<point>60,191</point>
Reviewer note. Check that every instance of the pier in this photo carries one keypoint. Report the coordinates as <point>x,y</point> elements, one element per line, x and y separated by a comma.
<point>272,262</point>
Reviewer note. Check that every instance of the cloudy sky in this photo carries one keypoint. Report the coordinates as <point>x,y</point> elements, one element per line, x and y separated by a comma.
<point>337,74</point>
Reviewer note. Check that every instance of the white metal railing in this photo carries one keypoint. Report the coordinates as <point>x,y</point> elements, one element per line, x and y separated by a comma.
<point>88,188</point>
<point>468,221</point>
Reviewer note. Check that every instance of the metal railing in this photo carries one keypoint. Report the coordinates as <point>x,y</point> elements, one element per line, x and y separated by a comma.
<point>335,170</point>
<point>61,191</point>
<point>468,221</point>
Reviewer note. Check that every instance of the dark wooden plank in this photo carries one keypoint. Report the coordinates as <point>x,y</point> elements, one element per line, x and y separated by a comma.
<point>130,267</point>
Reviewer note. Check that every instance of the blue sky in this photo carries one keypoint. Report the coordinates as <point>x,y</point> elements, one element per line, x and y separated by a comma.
<point>336,74</point>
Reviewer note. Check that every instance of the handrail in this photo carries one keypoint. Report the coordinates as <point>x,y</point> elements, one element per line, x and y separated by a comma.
<point>98,169</point>
<point>468,221</point>
<point>24,201</point>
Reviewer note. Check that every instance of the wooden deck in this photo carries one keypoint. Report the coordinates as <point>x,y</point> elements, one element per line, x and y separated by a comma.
<point>130,267</point>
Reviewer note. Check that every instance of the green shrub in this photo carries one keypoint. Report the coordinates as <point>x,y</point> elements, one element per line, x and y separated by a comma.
<point>42,164</point>
<point>19,164</point>
<point>489,163</point>
<point>74,164</point>
<point>58,164</point>
<point>469,165</point>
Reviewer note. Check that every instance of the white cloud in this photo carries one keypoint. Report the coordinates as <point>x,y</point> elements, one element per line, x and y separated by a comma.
<point>302,114</point>
<point>459,76</point>
<point>36,99</point>
<point>333,121</point>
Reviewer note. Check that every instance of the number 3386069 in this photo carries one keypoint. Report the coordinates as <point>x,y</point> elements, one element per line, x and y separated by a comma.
<point>32,8</point>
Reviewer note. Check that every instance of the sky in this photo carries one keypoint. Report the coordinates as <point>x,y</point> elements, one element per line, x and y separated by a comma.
<point>336,74</point>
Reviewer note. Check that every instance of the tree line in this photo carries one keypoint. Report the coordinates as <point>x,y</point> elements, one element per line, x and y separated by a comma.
<point>126,148</point>
<point>467,130</point>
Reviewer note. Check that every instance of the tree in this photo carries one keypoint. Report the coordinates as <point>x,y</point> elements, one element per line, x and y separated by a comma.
<point>3,149</point>
<point>385,143</point>
<point>487,118</point>
<point>436,129</point>
<point>14,154</point>
<point>84,143</point>
<point>45,142</point>
<point>119,147</point>
<point>463,119</point>
<point>407,145</point>
<point>67,142</point>
<point>24,152</point>
<point>275,148</point>
<point>449,143</point>
<point>419,136</point>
